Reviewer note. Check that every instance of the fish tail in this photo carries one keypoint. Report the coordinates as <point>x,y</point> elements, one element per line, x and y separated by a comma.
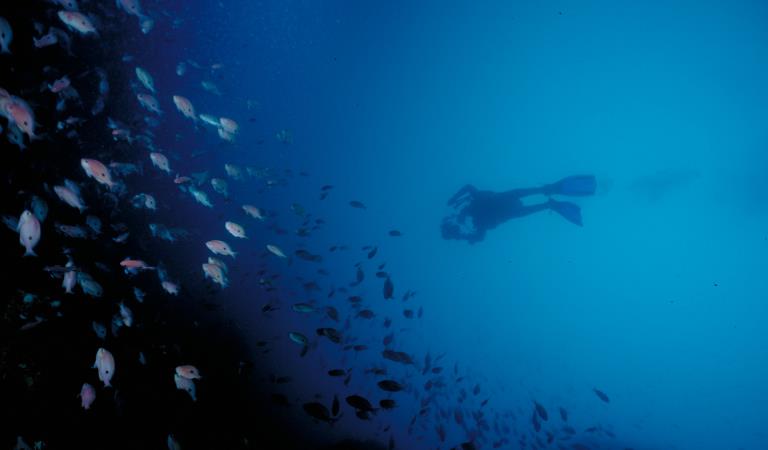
<point>30,252</point>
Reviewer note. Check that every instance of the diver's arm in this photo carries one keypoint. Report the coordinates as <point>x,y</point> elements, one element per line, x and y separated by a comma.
<point>467,189</point>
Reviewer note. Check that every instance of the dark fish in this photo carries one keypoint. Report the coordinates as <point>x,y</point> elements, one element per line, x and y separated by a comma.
<point>387,322</point>
<point>360,348</point>
<point>335,406</point>
<point>373,252</point>
<point>468,446</point>
<point>563,414</point>
<point>357,204</point>
<point>359,277</point>
<point>382,274</point>
<point>408,313</point>
<point>355,299</point>
<point>337,372</point>
<point>601,395</point>
<point>387,403</point>
<point>535,422</point>
<point>331,333</point>
<point>476,390</point>
<point>389,289</point>
<point>332,313</point>
<point>399,357</point>
<point>359,403</point>
<point>318,411</point>
<point>541,411</point>
<point>366,314</point>
<point>390,386</point>
<point>327,187</point>
<point>307,256</point>
<point>395,233</point>
<point>441,432</point>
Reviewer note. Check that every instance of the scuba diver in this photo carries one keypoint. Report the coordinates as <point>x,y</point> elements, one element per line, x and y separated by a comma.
<point>479,211</point>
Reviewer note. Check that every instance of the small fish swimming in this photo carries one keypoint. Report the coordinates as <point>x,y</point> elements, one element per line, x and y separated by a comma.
<point>6,35</point>
<point>220,248</point>
<point>146,79</point>
<point>77,21</point>
<point>105,363</point>
<point>98,171</point>
<point>275,250</point>
<point>29,232</point>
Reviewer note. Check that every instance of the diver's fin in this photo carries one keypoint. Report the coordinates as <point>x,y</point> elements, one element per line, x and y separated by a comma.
<point>569,211</point>
<point>577,185</point>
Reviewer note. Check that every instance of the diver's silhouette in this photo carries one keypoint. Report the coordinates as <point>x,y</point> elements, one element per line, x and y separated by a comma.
<point>479,211</point>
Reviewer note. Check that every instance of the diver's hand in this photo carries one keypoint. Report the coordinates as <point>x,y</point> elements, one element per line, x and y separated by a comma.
<point>467,189</point>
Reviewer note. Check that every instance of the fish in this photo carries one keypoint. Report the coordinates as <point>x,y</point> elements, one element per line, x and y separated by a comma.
<point>185,107</point>
<point>220,248</point>
<point>149,102</point>
<point>395,233</point>
<point>253,212</point>
<point>98,171</point>
<point>77,21</point>
<point>126,314</point>
<point>105,363</point>
<point>307,256</point>
<point>601,395</point>
<point>229,125</point>
<point>216,273</point>
<point>335,407</point>
<point>185,384</point>
<point>6,35</point>
<point>29,232</point>
<point>19,113</point>
<point>387,403</point>
<point>360,403</point>
<point>390,385</point>
<point>200,196</point>
<point>235,230</point>
<point>318,411</point>
<point>160,161</point>
<point>540,411</point>
<point>389,289</point>
<point>89,285</point>
<point>87,396</point>
<point>563,414</point>
<point>275,250</point>
<point>208,119</point>
<point>300,339</point>
<point>189,372</point>
<point>357,204</point>
<point>145,78</point>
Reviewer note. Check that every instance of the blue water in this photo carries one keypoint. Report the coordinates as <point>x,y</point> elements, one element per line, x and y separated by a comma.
<point>657,301</point>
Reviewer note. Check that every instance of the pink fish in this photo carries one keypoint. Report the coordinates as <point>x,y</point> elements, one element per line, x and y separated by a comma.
<point>149,102</point>
<point>87,395</point>
<point>220,248</point>
<point>59,85</point>
<point>188,372</point>
<point>216,273</point>
<point>185,107</point>
<point>19,112</point>
<point>77,21</point>
<point>98,171</point>
<point>134,265</point>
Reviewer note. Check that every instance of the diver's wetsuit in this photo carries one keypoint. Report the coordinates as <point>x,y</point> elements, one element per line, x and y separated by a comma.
<point>480,211</point>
